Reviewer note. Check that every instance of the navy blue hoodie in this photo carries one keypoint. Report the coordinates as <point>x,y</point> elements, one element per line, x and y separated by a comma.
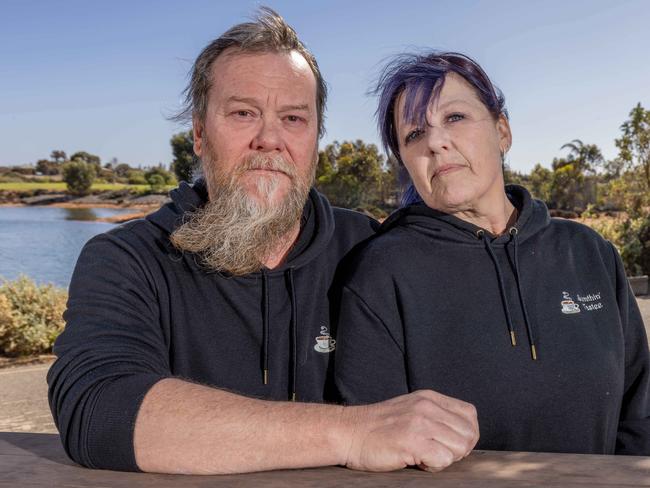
<point>140,311</point>
<point>437,303</point>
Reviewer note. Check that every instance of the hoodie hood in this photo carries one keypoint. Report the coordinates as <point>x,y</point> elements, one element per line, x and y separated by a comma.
<point>316,226</point>
<point>533,218</point>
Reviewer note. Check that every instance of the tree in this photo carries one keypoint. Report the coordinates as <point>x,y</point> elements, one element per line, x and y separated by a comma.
<point>157,177</point>
<point>614,168</point>
<point>541,181</point>
<point>573,183</point>
<point>391,176</point>
<point>512,177</point>
<point>79,176</point>
<point>58,155</point>
<point>88,158</point>
<point>185,161</point>
<point>122,170</point>
<point>586,158</point>
<point>47,167</point>
<point>634,144</point>
<point>156,182</point>
<point>350,173</point>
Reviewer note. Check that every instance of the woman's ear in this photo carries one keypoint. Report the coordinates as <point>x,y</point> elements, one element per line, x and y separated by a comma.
<point>505,136</point>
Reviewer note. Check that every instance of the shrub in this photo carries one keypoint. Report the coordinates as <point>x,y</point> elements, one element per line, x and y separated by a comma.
<point>79,176</point>
<point>156,182</point>
<point>31,317</point>
<point>136,177</point>
<point>624,233</point>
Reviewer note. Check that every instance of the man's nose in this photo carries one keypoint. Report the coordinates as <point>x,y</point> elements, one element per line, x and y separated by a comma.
<point>269,136</point>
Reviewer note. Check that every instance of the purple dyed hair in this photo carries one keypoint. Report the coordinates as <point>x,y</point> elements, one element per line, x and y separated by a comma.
<point>420,77</point>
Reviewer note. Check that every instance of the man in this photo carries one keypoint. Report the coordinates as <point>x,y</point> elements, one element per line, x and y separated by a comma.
<point>188,332</point>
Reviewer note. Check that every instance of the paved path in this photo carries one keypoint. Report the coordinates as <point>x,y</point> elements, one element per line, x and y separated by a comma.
<point>23,400</point>
<point>23,393</point>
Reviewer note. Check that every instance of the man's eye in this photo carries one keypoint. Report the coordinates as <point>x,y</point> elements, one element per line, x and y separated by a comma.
<point>243,113</point>
<point>294,118</point>
<point>413,135</point>
<point>455,117</point>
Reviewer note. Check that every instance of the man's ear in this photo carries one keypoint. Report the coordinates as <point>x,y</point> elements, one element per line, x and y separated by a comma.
<point>197,132</point>
<point>505,135</point>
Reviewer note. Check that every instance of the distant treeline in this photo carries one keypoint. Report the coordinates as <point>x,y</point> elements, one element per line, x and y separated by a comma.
<point>580,182</point>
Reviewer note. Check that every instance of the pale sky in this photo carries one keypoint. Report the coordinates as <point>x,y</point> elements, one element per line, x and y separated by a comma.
<point>101,76</point>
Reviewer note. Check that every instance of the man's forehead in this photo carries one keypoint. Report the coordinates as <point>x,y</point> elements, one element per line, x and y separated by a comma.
<point>233,62</point>
<point>239,74</point>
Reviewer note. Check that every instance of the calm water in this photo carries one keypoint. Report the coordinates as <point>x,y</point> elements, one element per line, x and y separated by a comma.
<point>44,242</point>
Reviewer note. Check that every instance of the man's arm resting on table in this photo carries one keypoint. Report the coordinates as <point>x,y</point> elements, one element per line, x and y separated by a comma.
<point>187,428</point>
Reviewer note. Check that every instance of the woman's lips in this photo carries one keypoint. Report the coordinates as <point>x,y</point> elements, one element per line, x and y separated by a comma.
<point>446,169</point>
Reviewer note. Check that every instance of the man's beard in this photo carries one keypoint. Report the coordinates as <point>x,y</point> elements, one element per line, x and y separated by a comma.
<point>235,232</point>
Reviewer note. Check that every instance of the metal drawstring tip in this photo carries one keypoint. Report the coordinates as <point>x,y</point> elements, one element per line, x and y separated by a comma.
<point>293,396</point>
<point>513,340</point>
<point>533,351</point>
<point>266,376</point>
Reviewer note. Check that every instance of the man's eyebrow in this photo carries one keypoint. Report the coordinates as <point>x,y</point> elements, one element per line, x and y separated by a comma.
<point>284,108</point>
<point>302,107</point>
<point>250,101</point>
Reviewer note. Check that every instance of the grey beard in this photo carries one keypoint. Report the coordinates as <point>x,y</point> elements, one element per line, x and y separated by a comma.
<point>236,234</point>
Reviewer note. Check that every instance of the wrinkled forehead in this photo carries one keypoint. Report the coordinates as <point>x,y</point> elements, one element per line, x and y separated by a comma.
<point>412,101</point>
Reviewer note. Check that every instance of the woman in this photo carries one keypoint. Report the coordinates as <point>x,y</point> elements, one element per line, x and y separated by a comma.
<point>472,290</point>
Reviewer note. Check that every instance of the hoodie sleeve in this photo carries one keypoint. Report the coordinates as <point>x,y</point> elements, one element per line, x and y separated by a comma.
<point>633,436</point>
<point>369,362</point>
<point>110,354</point>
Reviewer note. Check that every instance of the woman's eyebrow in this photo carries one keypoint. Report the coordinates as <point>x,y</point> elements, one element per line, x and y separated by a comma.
<point>453,101</point>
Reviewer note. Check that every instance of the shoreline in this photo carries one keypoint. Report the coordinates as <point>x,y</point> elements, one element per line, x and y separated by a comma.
<point>84,205</point>
<point>136,211</point>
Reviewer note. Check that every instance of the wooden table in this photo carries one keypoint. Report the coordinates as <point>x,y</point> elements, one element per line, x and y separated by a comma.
<point>38,460</point>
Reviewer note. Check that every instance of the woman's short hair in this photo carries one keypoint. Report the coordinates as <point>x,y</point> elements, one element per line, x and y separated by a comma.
<point>420,77</point>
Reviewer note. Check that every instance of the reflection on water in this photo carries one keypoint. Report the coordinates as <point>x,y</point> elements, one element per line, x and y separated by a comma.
<point>44,242</point>
<point>79,214</point>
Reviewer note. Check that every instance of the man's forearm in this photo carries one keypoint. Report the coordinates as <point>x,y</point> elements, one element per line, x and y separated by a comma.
<point>187,428</point>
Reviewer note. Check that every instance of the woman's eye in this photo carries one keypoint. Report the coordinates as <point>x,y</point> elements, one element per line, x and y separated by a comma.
<point>413,135</point>
<point>243,113</point>
<point>455,117</point>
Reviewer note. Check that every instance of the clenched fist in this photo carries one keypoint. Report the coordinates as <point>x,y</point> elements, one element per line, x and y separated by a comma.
<point>424,429</point>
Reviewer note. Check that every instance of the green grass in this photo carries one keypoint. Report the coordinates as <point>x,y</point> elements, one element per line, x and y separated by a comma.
<point>27,186</point>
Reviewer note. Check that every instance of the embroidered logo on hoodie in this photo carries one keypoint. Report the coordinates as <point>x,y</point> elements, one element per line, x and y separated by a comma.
<point>568,305</point>
<point>324,342</point>
<point>589,302</point>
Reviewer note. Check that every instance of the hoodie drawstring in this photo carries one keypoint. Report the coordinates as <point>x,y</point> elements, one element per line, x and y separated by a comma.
<point>294,335</point>
<point>513,236</point>
<point>502,289</point>
<point>531,338</point>
<point>266,333</point>
<point>265,327</point>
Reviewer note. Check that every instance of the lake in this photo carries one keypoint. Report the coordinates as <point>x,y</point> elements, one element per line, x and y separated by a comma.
<point>44,242</point>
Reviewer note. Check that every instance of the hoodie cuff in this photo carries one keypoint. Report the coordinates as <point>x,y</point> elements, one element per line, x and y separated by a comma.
<point>109,438</point>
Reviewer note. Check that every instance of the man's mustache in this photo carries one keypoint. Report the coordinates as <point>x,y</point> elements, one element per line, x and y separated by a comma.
<point>277,163</point>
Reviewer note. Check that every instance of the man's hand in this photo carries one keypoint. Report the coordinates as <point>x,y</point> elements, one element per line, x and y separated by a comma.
<point>424,429</point>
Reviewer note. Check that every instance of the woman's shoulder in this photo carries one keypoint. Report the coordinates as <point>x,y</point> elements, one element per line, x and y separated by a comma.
<point>380,256</point>
<point>576,230</point>
<point>578,237</point>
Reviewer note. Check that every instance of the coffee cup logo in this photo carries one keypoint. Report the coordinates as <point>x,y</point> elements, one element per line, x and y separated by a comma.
<point>569,306</point>
<point>324,343</point>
